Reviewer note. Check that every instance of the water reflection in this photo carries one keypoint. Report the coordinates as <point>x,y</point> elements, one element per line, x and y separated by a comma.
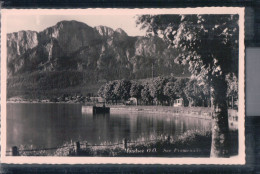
<point>51,125</point>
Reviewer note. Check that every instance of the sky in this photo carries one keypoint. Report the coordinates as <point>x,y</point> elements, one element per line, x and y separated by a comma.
<point>40,22</point>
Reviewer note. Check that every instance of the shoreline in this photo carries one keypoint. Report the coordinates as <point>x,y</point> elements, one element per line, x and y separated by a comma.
<point>42,102</point>
<point>206,111</point>
<point>194,112</point>
<point>118,110</point>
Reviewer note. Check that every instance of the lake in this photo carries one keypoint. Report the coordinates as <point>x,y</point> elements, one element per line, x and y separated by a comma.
<point>51,125</point>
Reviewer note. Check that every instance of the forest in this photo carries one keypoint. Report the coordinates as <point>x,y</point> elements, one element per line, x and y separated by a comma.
<point>163,90</point>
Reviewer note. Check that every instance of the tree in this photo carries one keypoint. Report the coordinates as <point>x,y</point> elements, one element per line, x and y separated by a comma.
<point>170,92</point>
<point>191,91</point>
<point>205,87</point>
<point>136,90</point>
<point>232,90</point>
<point>209,44</point>
<point>156,89</point>
<point>122,89</point>
<point>145,93</point>
<point>109,91</point>
<point>179,86</point>
<point>101,91</point>
<point>195,93</point>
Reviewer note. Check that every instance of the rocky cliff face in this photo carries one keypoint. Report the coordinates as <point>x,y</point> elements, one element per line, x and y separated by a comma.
<point>99,51</point>
<point>18,43</point>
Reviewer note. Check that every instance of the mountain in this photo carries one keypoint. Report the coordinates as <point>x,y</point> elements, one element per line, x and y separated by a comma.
<point>72,54</point>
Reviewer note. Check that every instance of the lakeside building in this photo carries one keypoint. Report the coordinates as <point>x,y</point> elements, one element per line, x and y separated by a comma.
<point>178,102</point>
<point>132,101</point>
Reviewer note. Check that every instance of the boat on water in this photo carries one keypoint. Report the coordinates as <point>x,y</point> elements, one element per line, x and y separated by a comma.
<point>95,109</point>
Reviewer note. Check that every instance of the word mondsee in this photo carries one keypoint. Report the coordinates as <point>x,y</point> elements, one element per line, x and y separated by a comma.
<point>164,150</point>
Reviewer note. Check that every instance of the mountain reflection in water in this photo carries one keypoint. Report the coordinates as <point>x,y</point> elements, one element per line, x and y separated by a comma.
<point>51,125</point>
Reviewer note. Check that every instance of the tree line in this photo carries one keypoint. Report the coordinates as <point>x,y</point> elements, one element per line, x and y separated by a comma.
<point>163,91</point>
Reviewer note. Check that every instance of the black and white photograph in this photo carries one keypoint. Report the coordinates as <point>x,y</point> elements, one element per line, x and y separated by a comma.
<point>138,86</point>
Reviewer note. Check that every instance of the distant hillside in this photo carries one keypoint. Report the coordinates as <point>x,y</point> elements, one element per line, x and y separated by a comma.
<point>72,54</point>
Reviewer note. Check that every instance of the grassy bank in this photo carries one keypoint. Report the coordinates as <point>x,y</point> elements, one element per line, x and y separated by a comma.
<point>190,144</point>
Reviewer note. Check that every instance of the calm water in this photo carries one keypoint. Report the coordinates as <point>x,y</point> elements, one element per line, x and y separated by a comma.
<point>51,125</point>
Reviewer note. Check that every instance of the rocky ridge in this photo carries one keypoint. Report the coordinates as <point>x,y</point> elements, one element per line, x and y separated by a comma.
<point>98,53</point>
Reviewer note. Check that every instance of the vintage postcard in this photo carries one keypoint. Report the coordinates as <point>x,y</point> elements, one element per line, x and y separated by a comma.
<point>123,86</point>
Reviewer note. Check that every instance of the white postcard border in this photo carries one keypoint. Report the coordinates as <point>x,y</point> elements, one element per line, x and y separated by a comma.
<point>240,159</point>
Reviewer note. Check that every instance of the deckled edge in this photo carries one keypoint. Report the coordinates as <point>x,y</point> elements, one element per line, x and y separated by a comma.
<point>32,159</point>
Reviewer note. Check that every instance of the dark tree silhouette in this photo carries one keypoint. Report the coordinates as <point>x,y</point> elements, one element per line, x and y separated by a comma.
<point>146,95</point>
<point>209,44</point>
<point>108,93</point>
<point>196,93</point>
<point>156,89</point>
<point>136,90</point>
<point>122,89</point>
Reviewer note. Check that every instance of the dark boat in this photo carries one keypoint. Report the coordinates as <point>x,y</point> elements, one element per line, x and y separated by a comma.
<point>96,109</point>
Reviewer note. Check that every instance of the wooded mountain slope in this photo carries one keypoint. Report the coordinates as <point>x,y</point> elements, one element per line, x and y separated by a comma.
<point>72,53</point>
